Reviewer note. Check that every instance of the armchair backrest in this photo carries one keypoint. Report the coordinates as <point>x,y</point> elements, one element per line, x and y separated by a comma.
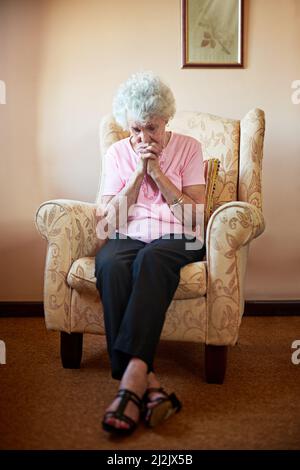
<point>220,139</point>
<point>237,144</point>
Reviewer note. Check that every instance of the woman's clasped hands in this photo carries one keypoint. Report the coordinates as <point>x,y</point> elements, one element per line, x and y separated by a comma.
<point>149,158</point>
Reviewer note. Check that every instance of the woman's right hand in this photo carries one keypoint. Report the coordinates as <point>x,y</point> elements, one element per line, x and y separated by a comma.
<point>141,167</point>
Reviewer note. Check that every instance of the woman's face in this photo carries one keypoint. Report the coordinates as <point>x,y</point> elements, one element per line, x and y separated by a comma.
<point>153,130</point>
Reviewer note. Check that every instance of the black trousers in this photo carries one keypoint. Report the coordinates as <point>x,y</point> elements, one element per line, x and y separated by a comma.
<point>137,282</point>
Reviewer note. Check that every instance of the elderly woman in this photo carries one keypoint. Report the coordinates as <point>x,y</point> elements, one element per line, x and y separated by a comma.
<point>157,173</point>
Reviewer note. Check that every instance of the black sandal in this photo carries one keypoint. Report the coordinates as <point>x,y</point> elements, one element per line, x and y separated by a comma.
<point>165,406</point>
<point>126,396</point>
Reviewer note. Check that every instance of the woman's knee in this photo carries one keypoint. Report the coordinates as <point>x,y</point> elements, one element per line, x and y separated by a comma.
<point>110,265</point>
<point>149,256</point>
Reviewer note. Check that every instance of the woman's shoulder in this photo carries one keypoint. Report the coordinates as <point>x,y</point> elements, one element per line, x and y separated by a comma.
<point>185,140</point>
<point>119,146</point>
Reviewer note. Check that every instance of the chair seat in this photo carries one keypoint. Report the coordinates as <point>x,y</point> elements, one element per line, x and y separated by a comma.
<point>192,283</point>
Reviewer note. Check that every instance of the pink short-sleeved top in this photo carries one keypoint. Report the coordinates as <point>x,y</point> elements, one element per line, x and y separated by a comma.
<point>151,217</point>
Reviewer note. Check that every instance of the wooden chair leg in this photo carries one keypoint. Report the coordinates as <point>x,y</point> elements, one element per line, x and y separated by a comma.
<point>71,349</point>
<point>215,363</point>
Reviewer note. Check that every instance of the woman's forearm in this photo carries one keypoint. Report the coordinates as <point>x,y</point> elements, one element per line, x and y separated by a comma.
<point>187,212</point>
<point>124,199</point>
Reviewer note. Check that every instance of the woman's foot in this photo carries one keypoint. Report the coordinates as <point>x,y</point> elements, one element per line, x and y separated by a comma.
<point>154,383</point>
<point>135,380</point>
<point>160,405</point>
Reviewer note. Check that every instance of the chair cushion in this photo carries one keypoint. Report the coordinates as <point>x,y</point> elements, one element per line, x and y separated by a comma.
<point>192,278</point>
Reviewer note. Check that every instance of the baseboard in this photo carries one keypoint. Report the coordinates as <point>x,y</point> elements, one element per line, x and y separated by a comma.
<point>272,307</point>
<point>252,308</point>
<point>21,309</point>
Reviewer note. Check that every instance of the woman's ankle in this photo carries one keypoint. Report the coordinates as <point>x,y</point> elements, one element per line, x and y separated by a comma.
<point>135,376</point>
<point>153,381</point>
<point>137,364</point>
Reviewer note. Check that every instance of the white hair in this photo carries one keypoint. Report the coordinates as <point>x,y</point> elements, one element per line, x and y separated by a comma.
<point>142,96</point>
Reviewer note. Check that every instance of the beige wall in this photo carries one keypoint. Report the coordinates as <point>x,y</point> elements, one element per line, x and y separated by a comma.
<point>62,61</point>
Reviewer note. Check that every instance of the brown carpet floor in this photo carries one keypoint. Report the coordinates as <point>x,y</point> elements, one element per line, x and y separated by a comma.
<point>43,406</point>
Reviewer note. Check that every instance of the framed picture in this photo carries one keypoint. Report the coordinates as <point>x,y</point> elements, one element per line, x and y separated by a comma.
<point>212,33</point>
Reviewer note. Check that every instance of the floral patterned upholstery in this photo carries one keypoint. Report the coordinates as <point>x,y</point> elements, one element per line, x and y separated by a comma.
<point>220,138</point>
<point>209,302</point>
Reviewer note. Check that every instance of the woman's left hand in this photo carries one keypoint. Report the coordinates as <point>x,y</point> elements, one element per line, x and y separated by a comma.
<point>153,168</point>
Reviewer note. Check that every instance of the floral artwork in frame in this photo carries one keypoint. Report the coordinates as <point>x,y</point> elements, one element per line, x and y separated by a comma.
<point>212,33</point>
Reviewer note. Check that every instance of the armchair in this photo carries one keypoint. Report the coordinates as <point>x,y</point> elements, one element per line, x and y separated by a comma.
<point>209,303</point>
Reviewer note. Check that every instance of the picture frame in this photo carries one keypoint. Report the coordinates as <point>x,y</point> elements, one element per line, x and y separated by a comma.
<point>212,33</point>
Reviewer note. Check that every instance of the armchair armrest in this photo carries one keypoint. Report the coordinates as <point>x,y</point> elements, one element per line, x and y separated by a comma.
<point>229,232</point>
<point>70,229</point>
<point>73,220</point>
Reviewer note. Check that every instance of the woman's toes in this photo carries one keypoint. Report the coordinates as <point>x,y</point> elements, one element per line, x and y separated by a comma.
<point>123,425</point>
<point>151,404</point>
<point>116,423</point>
<point>110,421</point>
